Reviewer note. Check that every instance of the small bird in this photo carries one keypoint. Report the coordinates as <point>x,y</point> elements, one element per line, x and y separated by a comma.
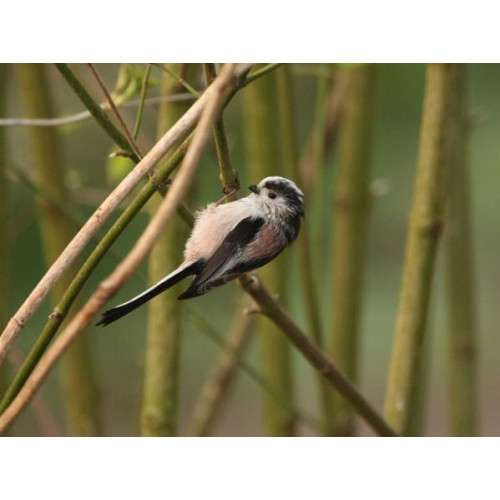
<point>230,239</point>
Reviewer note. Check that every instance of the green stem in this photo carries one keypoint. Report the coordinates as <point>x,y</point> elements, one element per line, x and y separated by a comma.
<point>350,230</point>
<point>290,159</point>
<point>114,110</point>
<point>161,369</point>
<point>461,283</point>
<point>329,101</point>
<point>263,159</point>
<point>178,78</point>
<point>79,391</point>
<point>96,110</point>
<point>228,176</point>
<point>426,222</point>
<point>268,68</point>
<point>142,100</point>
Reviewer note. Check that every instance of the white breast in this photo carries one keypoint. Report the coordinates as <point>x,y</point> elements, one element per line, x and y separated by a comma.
<point>211,227</point>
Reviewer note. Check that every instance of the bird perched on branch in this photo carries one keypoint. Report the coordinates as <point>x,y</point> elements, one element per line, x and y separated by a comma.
<point>230,239</point>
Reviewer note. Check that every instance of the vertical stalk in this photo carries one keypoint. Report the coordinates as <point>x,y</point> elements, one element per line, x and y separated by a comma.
<point>78,387</point>
<point>228,175</point>
<point>426,220</point>
<point>461,283</point>
<point>350,231</point>
<point>4,241</point>
<point>291,162</point>
<point>263,160</point>
<point>161,369</point>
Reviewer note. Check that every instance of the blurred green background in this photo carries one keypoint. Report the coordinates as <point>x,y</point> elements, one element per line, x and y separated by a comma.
<point>119,348</point>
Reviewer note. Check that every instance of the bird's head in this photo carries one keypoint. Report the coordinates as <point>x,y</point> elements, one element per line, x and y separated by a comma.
<point>279,195</point>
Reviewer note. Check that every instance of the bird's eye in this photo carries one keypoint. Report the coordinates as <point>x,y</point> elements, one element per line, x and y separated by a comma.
<point>272,195</point>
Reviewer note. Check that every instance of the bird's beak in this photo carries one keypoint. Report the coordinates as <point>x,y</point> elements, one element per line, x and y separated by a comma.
<point>254,189</point>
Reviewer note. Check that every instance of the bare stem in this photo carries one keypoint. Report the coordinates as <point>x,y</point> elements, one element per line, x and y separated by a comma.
<point>460,278</point>
<point>85,115</point>
<point>178,79</point>
<point>144,89</point>
<point>79,390</point>
<point>329,104</point>
<point>113,107</point>
<point>96,110</point>
<point>228,175</point>
<point>290,160</point>
<point>350,230</point>
<point>268,68</point>
<point>270,307</point>
<point>161,368</point>
<point>424,231</point>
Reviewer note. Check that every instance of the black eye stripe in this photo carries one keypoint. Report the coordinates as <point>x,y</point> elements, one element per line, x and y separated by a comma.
<point>282,188</point>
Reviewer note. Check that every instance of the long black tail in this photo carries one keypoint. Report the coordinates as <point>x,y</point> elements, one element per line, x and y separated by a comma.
<point>167,282</point>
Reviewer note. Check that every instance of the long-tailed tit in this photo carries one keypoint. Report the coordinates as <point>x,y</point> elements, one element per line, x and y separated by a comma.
<point>230,239</point>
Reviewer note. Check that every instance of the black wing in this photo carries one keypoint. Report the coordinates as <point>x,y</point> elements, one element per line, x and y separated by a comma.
<point>225,257</point>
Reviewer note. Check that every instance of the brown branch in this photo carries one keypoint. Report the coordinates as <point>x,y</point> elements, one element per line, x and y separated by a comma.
<point>269,306</point>
<point>141,249</point>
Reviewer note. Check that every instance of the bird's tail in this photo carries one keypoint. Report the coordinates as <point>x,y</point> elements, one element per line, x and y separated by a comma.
<point>167,282</point>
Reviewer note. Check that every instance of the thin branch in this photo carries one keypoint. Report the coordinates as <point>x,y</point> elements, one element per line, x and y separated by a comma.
<point>85,115</point>
<point>113,107</point>
<point>268,68</point>
<point>177,132</point>
<point>144,89</point>
<point>228,175</point>
<point>328,113</point>
<point>218,97</point>
<point>181,80</point>
<point>290,159</point>
<point>97,112</point>
<point>461,282</point>
<point>160,388</point>
<point>79,386</point>
<point>269,306</point>
<point>350,230</point>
